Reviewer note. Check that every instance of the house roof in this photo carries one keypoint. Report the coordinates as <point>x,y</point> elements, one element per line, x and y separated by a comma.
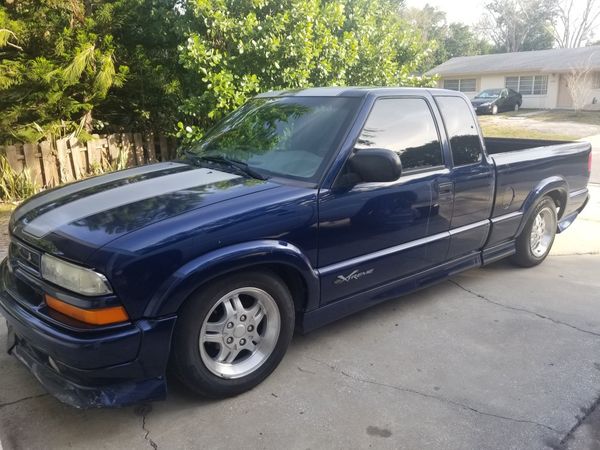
<point>542,61</point>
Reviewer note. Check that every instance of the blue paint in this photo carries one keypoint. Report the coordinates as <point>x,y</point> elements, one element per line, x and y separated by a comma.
<point>350,245</point>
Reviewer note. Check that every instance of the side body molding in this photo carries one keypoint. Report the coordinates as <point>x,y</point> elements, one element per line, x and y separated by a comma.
<point>555,183</point>
<point>177,288</point>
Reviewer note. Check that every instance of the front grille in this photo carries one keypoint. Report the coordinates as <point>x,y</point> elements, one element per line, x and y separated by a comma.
<point>25,257</point>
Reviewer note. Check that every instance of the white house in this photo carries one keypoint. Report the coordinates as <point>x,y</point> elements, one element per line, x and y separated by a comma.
<point>540,76</point>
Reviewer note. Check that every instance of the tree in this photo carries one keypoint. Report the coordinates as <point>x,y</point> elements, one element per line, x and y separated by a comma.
<point>71,67</point>
<point>56,65</point>
<point>147,36</point>
<point>241,47</point>
<point>573,25</point>
<point>518,25</point>
<point>448,40</point>
<point>580,84</point>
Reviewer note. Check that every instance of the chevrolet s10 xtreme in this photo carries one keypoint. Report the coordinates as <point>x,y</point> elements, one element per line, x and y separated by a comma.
<point>297,209</point>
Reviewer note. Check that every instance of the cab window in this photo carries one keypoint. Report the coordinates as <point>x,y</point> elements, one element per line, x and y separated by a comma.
<point>406,126</point>
<point>462,130</point>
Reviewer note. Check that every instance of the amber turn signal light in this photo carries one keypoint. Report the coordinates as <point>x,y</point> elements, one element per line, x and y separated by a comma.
<point>100,316</point>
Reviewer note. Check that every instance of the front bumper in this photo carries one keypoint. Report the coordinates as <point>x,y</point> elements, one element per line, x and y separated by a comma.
<point>89,368</point>
<point>483,109</point>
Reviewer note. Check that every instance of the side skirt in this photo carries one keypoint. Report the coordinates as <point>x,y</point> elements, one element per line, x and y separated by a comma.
<point>497,252</point>
<point>349,305</point>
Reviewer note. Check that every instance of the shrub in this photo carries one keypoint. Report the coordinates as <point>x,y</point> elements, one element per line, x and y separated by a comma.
<point>14,186</point>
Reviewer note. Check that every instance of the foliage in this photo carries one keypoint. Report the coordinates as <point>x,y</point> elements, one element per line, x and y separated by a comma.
<point>147,34</point>
<point>14,186</point>
<point>515,26</point>
<point>57,64</point>
<point>70,67</point>
<point>241,47</point>
<point>449,39</point>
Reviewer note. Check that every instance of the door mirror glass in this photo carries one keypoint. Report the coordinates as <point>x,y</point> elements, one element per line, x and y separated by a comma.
<point>374,165</point>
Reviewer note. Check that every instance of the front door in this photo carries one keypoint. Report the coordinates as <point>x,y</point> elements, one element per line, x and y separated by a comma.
<point>374,233</point>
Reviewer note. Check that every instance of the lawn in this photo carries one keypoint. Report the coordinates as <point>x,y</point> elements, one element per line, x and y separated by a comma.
<point>583,117</point>
<point>542,124</point>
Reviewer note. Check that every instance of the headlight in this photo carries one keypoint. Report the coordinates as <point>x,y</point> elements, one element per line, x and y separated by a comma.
<point>74,278</point>
<point>486,104</point>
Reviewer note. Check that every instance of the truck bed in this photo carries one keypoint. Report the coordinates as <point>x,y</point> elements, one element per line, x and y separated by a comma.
<point>522,163</point>
<point>496,145</point>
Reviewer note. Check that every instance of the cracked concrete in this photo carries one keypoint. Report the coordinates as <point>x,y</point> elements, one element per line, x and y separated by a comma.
<point>433,397</point>
<point>502,305</point>
<point>496,358</point>
<point>143,411</point>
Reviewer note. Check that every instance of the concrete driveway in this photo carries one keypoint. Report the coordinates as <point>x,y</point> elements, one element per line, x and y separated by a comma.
<point>595,141</point>
<point>499,357</point>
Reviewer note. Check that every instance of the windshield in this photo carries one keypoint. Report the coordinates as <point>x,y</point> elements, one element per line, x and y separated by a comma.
<point>281,136</point>
<point>489,93</point>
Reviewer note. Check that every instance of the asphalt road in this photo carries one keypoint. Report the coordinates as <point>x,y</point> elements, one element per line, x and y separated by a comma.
<point>499,357</point>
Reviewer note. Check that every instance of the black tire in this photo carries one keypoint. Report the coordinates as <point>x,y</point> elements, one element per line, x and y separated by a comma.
<point>524,257</point>
<point>185,354</point>
<point>494,110</point>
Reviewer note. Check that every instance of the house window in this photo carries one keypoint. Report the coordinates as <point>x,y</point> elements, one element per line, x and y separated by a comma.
<point>528,85</point>
<point>462,85</point>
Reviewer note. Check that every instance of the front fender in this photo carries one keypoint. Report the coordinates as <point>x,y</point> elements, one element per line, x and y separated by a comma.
<point>181,284</point>
<point>550,184</point>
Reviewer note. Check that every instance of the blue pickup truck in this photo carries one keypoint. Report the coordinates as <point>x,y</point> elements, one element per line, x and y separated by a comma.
<point>297,209</point>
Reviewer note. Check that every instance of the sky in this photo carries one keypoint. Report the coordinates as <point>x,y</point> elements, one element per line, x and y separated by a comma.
<point>465,11</point>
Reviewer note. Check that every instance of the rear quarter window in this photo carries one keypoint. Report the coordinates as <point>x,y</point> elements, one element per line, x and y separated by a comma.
<point>463,135</point>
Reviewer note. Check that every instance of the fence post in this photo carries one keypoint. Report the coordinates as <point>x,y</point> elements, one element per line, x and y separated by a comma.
<point>13,158</point>
<point>66,172</point>
<point>33,163</point>
<point>49,165</point>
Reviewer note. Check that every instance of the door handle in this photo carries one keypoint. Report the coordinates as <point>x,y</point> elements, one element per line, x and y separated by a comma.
<point>446,191</point>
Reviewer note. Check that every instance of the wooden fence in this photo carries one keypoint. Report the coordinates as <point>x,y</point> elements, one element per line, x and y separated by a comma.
<point>69,159</point>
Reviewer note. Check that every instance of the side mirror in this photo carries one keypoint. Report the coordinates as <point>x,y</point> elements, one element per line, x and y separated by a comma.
<point>504,94</point>
<point>376,165</point>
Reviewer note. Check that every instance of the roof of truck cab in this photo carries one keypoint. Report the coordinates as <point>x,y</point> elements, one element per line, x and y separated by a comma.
<point>354,91</point>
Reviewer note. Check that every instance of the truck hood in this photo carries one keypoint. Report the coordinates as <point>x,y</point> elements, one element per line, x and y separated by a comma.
<point>75,220</point>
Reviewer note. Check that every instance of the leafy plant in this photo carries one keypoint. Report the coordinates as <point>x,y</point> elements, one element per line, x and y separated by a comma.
<point>239,48</point>
<point>14,186</point>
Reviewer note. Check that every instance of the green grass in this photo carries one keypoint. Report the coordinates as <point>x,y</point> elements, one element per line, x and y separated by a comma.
<point>583,117</point>
<point>514,131</point>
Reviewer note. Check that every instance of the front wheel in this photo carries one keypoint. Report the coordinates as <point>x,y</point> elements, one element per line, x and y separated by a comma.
<point>536,239</point>
<point>233,334</point>
<point>494,110</point>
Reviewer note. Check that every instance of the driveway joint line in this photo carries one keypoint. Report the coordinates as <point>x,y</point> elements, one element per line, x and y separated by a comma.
<point>432,397</point>
<point>514,308</point>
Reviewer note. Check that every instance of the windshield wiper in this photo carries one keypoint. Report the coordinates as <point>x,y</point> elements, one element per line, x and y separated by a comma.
<point>240,166</point>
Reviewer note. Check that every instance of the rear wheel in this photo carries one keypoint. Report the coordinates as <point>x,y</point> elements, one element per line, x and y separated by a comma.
<point>233,334</point>
<point>536,239</point>
<point>517,106</point>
